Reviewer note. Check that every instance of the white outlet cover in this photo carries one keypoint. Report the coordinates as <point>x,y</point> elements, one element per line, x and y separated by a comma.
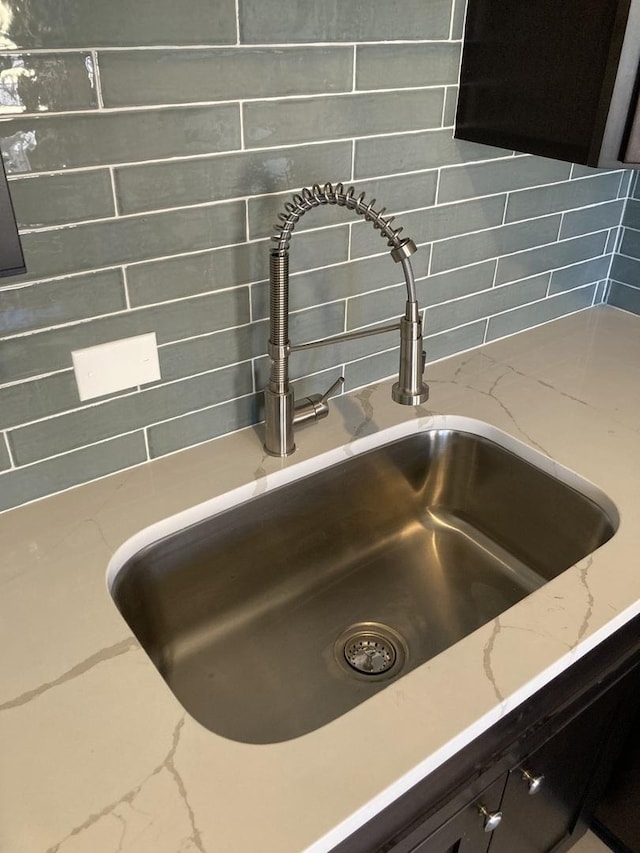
<point>116,366</point>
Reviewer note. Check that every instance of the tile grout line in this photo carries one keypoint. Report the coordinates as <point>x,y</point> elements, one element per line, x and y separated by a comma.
<point>125,282</point>
<point>354,60</point>
<point>96,70</point>
<point>145,433</point>
<point>9,453</point>
<point>452,19</point>
<point>114,194</point>
<point>242,136</point>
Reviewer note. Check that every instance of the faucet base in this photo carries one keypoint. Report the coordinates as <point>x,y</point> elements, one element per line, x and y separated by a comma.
<point>407,398</point>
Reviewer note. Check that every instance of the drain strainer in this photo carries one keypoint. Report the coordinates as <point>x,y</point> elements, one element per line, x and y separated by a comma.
<point>370,649</point>
<point>370,653</point>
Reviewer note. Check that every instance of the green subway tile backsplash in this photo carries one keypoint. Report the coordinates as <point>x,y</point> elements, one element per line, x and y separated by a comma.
<point>444,286</point>
<point>539,312</point>
<point>434,223</point>
<point>457,23</point>
<point>336,282</point>
<point>26,356</point>
<point>385,67</point>
<point>576,275</point>
<point>263,21</point>
<point>376,307</point>
<point>632,214</point>
<point>174,278</point>
<point>29,401</point>
<point>491,178</point>
<point>493,242</point>
<point>448,315</point>
<point>625,297</point>
<point>589,219</point>
<point>624,291</point>
<point>553,198</point>
<point>121,241</point>
<point>66,300</point>
<point>341,116</point>
<point>41,23</point>
<point>368,370</point>
<point>401,192</point>
<point>450,103</point>
<point>150,150</point>
<point>534,261</point>
<point>5,459</point>
<point>125,414</point>
<point>41,82</point>
<point>210,352</point>
<point>201,426</point>
<point>41,200</point>
<point>447,343</point>
<point>625,270</point>
<point>24,484</point>
<point>131,79</point>
<point>75,140</point>
<point>412,152</point>
<point>226,176</point>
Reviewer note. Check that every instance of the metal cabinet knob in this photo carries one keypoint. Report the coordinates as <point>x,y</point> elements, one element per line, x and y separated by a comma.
<point>492,820</point>
<point>534,783</point>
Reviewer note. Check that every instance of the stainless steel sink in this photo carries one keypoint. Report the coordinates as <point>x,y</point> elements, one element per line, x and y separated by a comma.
<point>270,619</point>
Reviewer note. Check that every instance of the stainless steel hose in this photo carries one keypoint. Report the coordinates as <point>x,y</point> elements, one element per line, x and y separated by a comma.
<point>307,199</point>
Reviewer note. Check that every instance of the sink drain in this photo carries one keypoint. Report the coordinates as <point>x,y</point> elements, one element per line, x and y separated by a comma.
<point>370,653</point>
<point>370,649</point>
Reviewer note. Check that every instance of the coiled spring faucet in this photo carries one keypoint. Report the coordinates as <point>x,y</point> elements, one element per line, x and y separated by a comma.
<point>281,413</point>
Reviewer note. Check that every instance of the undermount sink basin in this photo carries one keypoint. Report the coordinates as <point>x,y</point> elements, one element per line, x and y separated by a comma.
<point>279,613</point>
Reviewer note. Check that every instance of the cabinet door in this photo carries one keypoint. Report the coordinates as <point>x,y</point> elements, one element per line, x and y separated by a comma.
<point>464,832</point>
<point>559,774</point>
<point>550,78</point>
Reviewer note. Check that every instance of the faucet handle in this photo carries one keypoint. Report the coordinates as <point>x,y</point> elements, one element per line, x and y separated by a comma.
<point>315,406</point>
<point>339,381</point>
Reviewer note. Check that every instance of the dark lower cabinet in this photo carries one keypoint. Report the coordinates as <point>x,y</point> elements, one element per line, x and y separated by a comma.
<point>617,818</point>
<point>545,795</point>
<point>531,783</point>
<point>464,832</point>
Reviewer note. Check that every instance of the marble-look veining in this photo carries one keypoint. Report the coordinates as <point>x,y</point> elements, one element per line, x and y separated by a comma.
<point>98,755</point>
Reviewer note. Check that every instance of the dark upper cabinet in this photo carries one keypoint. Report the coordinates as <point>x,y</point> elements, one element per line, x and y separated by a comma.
<point>557,78</point>
<point>11,258</point>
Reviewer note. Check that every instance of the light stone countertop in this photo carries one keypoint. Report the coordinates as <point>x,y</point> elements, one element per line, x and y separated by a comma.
<point>97,755</point>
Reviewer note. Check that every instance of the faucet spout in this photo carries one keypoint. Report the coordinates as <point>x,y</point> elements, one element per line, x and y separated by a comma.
<point>281,412</point>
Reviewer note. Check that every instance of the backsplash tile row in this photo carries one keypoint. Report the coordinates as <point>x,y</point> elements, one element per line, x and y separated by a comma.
<point>624,288</point>
<point>149,151</point>
<point>77,23</point>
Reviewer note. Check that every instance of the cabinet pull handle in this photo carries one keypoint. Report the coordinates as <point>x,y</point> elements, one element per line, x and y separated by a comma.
<point>534,783</point>
<point>492,820</point>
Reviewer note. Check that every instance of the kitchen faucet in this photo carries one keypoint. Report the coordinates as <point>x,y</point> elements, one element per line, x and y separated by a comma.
<point>281,413</point>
